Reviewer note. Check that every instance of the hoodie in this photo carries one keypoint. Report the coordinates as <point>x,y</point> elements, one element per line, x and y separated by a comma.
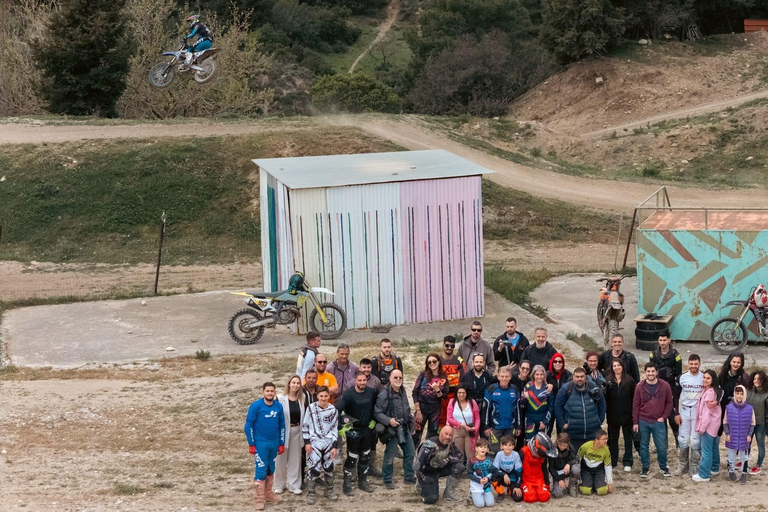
<point>465,351</point>
<point>567,457</point>
<point>557,379</point>
<point>708,413</point>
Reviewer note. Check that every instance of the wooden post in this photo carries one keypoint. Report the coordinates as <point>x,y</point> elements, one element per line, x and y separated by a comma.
<point>629,238</point>
<point>160,249</point>
<point>618,239</point>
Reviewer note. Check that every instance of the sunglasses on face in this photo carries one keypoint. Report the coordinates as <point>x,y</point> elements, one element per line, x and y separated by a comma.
<point>397,378</point>
<point>524,369</point>
<point>321,362</point>
<point>433,361</point>
<point>449,345</point>
<point>477,330</point>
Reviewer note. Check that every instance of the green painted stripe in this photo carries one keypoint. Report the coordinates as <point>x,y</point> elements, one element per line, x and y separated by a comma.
<point>762,262</point>
<point>709,271</point>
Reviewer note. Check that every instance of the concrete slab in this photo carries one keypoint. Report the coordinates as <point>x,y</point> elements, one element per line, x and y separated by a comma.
<point>572,302</point>
<point>124,331</point>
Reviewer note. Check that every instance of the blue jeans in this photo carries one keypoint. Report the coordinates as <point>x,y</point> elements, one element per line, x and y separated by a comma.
<point>658,430</point>
<point>388,465</point>
<point>716,455</point>
<point>760,440</point>
<point>709,446</point>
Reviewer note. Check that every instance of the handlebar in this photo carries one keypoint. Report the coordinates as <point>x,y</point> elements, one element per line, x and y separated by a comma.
<point>607,279</point>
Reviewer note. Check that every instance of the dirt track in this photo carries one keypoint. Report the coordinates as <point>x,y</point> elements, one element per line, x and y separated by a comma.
<point>408,132</point>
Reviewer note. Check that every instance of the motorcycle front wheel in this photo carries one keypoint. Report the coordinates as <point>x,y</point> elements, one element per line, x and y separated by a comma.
<point>728,334</point>
<point>162,74</point>
<point>209,68</point>
<point>240,329</point>
<point>336,322</point>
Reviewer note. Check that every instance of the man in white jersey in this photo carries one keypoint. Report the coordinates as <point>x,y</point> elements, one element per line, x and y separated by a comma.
<point>689,450</point>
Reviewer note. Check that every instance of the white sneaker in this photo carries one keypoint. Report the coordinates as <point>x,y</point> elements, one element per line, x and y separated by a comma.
<point>697,478</point>
<point>627,469</point>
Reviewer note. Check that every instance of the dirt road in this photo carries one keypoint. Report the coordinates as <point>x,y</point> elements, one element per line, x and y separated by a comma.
<point>410,133</point>
<point>393,9</point>
<point>707,108</point>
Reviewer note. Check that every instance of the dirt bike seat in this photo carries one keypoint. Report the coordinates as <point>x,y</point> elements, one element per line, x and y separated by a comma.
<point>267,295</point>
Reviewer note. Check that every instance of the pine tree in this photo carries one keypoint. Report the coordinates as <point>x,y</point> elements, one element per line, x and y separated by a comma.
<point>573,29</point>
<point>84,57</point>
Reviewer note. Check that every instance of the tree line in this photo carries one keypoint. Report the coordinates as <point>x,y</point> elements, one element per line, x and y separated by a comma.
<point>90,57</point>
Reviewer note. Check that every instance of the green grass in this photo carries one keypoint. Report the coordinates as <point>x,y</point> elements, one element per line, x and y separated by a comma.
<point>122,489</point>
<point>395,44</point>
<point>585,341</point>
<point>514,215</point>
<point>708,47</point>
<point>101,201</point>
<point>516,285</point>
<point>369,25</point>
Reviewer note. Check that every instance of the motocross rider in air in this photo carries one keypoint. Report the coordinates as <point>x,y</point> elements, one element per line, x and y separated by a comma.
<point>204,38</point>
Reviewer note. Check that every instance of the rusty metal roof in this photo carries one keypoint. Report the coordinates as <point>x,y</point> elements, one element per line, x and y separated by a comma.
<point>701,219</point>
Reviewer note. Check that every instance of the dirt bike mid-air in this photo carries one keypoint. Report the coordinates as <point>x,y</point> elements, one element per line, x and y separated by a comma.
<point>610,309</point>
<point>267,309</point>
<point>729,333</point>
<point>203,64</point>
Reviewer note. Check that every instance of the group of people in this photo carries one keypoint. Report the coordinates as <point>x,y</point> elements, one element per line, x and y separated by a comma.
<point>490,410</point>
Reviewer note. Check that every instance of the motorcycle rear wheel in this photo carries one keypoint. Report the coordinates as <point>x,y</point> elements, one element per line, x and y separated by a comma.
<point>162,74</point>
<point>611,330</point>
<point>732,335</point>
<point>238,327</point>
<point>337,321</point>
<point>209,68</point>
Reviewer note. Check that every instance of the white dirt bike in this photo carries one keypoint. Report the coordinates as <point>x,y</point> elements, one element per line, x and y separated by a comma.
<point>267,309</point>
<point>203,64</point>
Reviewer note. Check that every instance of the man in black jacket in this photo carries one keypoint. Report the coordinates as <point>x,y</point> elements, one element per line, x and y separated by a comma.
<point>541,351</point>
<point>617,352</point>
<point>383,364</point>
<point>508,347</point>
<point>670,367</point>
<point>438,457</point>
<point>477,381</point>
<point>358,403</point>
<point>393,411</point>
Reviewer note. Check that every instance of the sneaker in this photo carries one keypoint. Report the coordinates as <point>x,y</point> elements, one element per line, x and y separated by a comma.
<point>697,478</point>
<point>732,476</point>
<point>738,464</point>
<point>665,473</point>
<point>627,469</point>
<point>499,498</point>
<point>743,478</point>
<point>644,473</point>
<point>389,485</point>
<point>714,472</point>
<point>409,481</point>
<point>754,471</point>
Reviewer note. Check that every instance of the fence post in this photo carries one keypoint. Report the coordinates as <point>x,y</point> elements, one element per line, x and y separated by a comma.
<point>160,250</point>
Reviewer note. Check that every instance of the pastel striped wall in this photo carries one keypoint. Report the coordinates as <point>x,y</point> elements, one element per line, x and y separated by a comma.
<point>394,253</point>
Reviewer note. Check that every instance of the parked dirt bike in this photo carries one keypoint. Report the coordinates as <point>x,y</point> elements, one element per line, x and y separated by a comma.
<point>284,307</point>
<point>729,333</point>
<point>610,309</point>
<point>203,64</point>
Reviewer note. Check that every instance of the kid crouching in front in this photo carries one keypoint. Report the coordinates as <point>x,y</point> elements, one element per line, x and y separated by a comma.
<point>507,469</point>
<point>480,468</point>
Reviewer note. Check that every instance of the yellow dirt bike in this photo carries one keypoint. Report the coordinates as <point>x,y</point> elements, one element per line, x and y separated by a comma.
<point>267,309</point>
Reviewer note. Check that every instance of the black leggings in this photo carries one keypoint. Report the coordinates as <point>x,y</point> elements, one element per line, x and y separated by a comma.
<point>431,415</point>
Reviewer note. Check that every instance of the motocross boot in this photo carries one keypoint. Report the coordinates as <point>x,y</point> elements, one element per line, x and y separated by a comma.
<point>258,486</point>
<point>269,494</point>
<point>695,457</point>
<point>451,493</point>
<point>311,484</point>
<point>347,486</point>
<point>362,479</point>
<point>682,461</point>
<point>330,493</point>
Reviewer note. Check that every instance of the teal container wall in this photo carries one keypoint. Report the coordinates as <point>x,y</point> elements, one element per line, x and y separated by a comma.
<point>692,274</point>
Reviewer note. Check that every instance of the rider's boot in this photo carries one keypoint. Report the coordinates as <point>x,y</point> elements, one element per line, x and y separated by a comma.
<point>682,461</point>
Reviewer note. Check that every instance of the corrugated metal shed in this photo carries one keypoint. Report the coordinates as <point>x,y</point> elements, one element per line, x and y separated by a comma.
<point>397,236</point>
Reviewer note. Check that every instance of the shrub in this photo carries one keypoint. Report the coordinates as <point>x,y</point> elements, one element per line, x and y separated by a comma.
<point>573,29</point>
<point>84,57</point>
<point>354,93</point>
<point>203,355</point>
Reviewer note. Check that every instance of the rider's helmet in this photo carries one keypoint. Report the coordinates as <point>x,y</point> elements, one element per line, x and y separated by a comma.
<point>542,446</point>
<point>760,296</point>
<point>296,283</point>
<point>193,20</point>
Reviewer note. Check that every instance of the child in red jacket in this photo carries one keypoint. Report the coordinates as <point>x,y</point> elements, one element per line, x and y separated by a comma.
<point>534,453</point>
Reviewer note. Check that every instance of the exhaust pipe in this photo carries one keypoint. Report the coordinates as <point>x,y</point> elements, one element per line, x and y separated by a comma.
<point>264,321</point>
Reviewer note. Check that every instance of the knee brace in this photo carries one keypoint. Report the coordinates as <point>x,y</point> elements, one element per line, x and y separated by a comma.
<point>586,490</point>
<point>602,491</point>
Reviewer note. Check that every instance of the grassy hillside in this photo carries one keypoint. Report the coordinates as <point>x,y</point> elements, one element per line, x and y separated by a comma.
<point>101,201</point>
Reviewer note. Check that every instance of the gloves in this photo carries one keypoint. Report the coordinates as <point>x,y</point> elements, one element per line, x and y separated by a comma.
<point>281,450</point>
<point>252,450</point>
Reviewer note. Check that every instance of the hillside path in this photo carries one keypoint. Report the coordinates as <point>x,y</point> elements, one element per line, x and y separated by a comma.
<point>678,114</point>
<point>410,133</point>
<point>393,9</point>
